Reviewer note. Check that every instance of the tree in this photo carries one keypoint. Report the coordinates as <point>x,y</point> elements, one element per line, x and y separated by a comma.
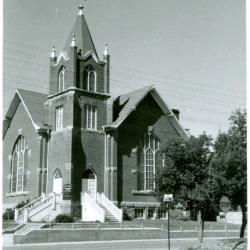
<point>229,165</point>
<point>187,174</point>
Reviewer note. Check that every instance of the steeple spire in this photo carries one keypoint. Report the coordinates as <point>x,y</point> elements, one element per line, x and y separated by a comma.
<point>83,40</point>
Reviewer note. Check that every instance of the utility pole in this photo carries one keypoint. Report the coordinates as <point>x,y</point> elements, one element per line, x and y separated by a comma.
<point>168,199</point>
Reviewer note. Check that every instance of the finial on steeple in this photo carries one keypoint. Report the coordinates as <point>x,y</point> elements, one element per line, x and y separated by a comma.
<point>80,13</point>
<point>106,51</point>
<point>53,53</point>
<point>73,43</point>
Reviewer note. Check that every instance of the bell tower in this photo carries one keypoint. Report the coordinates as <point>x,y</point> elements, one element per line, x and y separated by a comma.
<point>78,96</point>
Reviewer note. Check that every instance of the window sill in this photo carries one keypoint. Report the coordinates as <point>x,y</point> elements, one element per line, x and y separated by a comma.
<point>17,194</point>
<point>142,192</point>
<point>94,131</point>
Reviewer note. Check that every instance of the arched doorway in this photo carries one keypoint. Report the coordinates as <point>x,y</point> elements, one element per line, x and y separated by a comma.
<point>89,183</point>
<point>57,182</point>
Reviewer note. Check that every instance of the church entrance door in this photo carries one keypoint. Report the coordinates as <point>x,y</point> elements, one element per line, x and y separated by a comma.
<point>57,182</point>
<point>89,183</point>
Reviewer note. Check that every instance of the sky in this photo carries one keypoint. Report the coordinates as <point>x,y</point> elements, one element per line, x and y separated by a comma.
<point>193,51</point>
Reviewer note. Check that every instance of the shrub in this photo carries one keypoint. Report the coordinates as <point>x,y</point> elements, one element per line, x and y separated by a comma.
<point>128,213</point>
<point>22,203</point>
<point>64,218</point>
<point>9,214</point>
<point>177,214</point>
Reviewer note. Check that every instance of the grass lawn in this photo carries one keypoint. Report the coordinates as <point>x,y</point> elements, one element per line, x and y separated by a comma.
<point>237,244</point>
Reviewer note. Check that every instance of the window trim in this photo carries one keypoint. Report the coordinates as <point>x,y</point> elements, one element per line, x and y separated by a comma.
<point>88,82</point>
<point>89,69</point>
<point>59,118</point>
<point>149,142</point>
<point>92,111</point>
<point>61,85</point>
<point>20,150</point>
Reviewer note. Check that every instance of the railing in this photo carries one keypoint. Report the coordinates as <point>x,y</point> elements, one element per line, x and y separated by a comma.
<point>92,208</point>
<point>20,212</point>
<point>46,201</point>
<point>23,214</point>
<point>109,205</point>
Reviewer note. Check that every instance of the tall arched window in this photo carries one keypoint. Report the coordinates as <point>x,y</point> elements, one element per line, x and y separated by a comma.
<point>92,81</point>
<point>61,79</point>
<point>149,169</point>
<point>19,166</point>
<point>89,79</point>
<point>146,153</point>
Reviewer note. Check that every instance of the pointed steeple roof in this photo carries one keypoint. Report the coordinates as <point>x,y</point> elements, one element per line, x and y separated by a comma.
<point>82,35</point>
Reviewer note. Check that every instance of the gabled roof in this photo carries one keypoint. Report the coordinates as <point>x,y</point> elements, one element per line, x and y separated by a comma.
<point>131,100</point>
<point>33,103</point>
<point>82,36</point>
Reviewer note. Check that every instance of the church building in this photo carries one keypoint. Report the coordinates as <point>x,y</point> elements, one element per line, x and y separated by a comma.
<point>79,151</point>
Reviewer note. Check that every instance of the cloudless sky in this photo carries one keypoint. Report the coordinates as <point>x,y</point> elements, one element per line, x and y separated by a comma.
<point>192,51</point>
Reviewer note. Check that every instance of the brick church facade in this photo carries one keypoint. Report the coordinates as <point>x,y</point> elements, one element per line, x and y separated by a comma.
<point>77,139</point>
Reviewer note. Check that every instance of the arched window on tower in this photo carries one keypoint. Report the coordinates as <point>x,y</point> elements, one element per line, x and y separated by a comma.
<point>92,81</point>
<point>89,79</point>
<point>19,166</point>
<point>61,79</point>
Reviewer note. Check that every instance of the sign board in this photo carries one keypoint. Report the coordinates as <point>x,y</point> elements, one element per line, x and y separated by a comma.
<point>225,204</point>
<point>168,198</point>
<point>67,191</point>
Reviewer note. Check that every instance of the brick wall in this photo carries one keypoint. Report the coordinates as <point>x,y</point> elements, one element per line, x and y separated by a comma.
<point>134,127</point>
<point>21,124</point>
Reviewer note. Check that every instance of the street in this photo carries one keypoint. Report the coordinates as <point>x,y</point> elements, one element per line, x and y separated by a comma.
<point>117,245</point>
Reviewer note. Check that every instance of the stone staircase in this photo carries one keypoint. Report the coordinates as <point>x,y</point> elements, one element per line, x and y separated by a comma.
<point>112,212</point>
<point>109,217</point>
<point>99,209</point>
<point>43,209</point>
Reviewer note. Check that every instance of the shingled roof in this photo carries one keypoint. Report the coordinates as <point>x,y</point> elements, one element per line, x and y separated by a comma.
<point>33,103</point>
<point>129,101</point>
<point>83,37</point>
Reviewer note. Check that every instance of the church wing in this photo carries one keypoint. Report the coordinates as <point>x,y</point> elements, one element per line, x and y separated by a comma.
<point>124,105</point>
<point>33,103</point>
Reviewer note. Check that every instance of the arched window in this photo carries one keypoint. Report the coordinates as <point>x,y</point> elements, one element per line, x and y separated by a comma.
<point>149,169</point>
<point>19,166</point>
<point>89,79</point>
<point>57,174</point>
<point>61,79</point>
<point>146,153</point>
<point>92,81</point>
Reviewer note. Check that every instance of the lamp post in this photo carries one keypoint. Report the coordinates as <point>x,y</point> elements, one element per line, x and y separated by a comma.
<point>168,199</point>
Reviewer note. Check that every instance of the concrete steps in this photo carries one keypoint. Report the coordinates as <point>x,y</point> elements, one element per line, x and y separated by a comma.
<point>108,216</point>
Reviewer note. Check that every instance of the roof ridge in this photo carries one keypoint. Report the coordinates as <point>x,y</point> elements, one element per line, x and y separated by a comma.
<point>31,91</point>
<point>149,87</point>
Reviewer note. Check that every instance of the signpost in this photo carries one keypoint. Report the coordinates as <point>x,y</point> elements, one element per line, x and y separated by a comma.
<point>168,198</point>
<point>225,206</point>
<point>67,191</point>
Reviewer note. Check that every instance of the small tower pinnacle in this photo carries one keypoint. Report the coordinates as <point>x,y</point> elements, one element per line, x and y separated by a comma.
<point>53,53</point>
<point>73,42</point>
<point>80,13</point>
<point>106,51</point>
